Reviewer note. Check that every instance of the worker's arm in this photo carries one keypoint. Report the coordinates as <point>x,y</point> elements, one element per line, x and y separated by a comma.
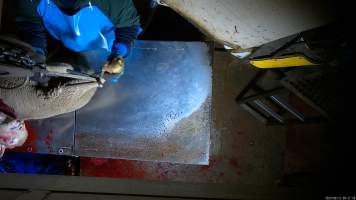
<point>121,48</point>
<point>124,38</point>
<point>126,20</point>
<point>29,24</point>
<point>34,34</point>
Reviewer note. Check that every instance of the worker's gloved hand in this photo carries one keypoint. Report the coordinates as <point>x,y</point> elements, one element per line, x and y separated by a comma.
<point>116,62</point>
<point>115,65</point>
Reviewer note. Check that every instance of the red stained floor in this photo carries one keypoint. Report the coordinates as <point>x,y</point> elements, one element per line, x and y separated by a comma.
<point>128,169</point>
<point>100,167</point>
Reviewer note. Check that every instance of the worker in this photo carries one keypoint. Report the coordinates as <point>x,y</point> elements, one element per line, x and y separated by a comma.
<point>81,25</point>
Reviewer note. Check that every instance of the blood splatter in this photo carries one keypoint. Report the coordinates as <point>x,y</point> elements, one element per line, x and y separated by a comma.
<point>49,138</point>
<point>30,144</point>
<point>213,161</point>
<point>48,141</point>
<point>235,164</point>
<point>174,173</point>
<point>165,171</point>
<point>111,168</point>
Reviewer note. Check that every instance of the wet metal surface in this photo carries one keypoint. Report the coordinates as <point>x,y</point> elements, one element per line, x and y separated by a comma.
<point>159,110</point>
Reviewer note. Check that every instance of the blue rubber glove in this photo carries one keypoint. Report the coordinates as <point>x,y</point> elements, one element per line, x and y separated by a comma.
<point>119,50</point>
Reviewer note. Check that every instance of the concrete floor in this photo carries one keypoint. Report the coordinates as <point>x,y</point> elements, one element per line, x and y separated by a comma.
<point>242,150</point>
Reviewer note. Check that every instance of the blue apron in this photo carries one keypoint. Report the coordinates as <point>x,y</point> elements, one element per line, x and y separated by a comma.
<point>88,29</point>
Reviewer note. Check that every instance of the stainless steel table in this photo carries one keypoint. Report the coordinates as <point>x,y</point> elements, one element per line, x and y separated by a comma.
<point>159,110</point>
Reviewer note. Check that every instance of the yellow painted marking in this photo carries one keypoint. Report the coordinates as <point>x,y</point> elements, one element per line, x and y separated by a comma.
<point>294,61</point>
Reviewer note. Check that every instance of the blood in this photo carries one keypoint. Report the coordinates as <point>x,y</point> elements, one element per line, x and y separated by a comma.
<point>98,161</point>
<point>168,171</point>
<point>174,173</point>
<point>111,168</point>
<point>48,141</point>
<point>235,164</point>
<point>5,137</point>
<point>162,171</point>
<point>213,161</point>
<point>49,138</point>
<point>30,144</point>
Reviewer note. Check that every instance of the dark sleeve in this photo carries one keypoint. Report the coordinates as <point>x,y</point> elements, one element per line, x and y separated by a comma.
<point>33,34</point>
<point>126,19</point>
<point>123,13</point>
<point>125,36</point>
<point>29,24</point>
<point>26,10</point>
